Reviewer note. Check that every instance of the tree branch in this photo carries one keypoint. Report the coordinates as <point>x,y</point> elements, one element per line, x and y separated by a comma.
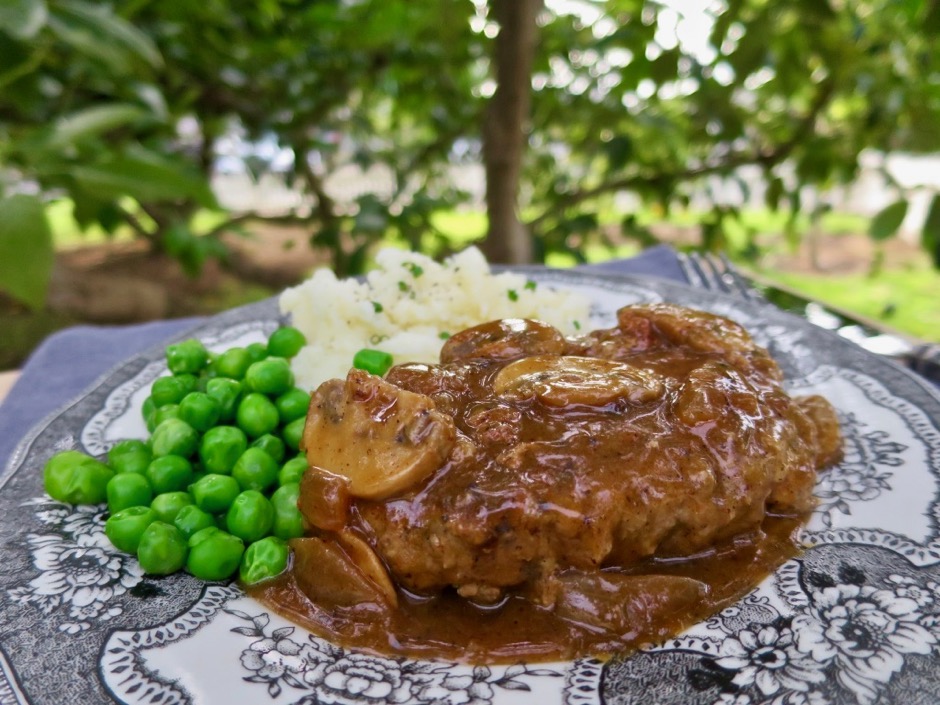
<point>252,216</point>
<point>733,160</point>
<point>326,207</point>
<point>134,222</point>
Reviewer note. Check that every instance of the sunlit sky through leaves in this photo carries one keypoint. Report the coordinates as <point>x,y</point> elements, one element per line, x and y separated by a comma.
<point>680,23</point>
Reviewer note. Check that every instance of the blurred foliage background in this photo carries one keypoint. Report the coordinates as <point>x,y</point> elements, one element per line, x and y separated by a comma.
<point>116,111</point>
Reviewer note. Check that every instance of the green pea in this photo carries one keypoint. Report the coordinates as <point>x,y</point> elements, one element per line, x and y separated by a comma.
<point>147,410</point>
<point>215,493</point>
<point>221,447</point>
<point>202,381</point>
<point>210,371</point>
<point>256,415</point>
<point>129,456</point>
<point>171,390</point>
<point>292,470</point>
<point>76,478</point>
<point>288,521</point>
<point>200,410</point>
<point>162,549</point>
<point>128,489</point>
<point>292,404</point>
<point>255,470</point>
<point>286,342</point>
<point>250,517</point>
<point>174,437</point>
<point>263,560</point>
<point>227,392</point>
<point>233,363</point>
<point>168,504</point>
<point>170,473</point>
<point>377,362</point>
<point>272,376</point>
<point>187,357</point>
<point>167,411</point>
<point>124,528</point>
<point>257,351</point>
<point>293,432</point>
<point>272,445</point>
<point>214,554</point>
<point>191,519</point>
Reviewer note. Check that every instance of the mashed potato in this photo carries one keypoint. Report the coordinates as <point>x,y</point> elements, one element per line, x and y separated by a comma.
<point>408,306</point>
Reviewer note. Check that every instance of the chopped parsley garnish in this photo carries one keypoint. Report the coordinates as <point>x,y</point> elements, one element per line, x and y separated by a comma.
<point>416,270</point>
<point>577,325</point>
<point>513,295</point>
<point>443,335</point>
<point>530,285</point>
<point>402,286</point>
<point>377,307</point>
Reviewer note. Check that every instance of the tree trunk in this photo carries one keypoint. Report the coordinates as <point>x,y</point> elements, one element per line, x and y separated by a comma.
<point>505,130</point>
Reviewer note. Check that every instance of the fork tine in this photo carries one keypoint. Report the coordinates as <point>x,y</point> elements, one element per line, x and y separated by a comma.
<point>708,274</point>
<point>713,270</point>
<point>733,277</point>
<point>691,272</point>
<point>717,273</point>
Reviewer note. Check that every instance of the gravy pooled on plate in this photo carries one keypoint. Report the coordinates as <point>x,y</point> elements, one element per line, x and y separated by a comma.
<point>538,497</point>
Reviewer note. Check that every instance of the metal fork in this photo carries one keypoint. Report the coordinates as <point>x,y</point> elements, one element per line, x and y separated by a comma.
<point>715,272</point>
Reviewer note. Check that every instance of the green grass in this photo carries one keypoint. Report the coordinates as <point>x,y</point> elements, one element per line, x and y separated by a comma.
<point>903,299</point>
<point>66,234</point>
<point>461,227</point>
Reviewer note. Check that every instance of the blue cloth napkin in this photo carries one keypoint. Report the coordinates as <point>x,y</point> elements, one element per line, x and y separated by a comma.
<point>70,361</point>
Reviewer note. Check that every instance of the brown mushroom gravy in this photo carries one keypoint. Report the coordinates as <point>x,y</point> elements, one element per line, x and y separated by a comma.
<point>539,497</point>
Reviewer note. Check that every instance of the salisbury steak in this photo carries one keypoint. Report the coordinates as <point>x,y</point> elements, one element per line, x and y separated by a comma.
<point>525,460</point>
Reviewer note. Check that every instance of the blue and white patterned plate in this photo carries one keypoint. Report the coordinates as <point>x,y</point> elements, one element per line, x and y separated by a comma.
<point>854,619</point>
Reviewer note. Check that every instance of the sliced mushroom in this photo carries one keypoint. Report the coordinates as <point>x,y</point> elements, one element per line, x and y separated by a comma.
<point>623,604</point>
<point>381,438</point>
<point>369,563</point>
<point>503,340</point>
<point>344,572</point>
<point>324,499</point>
<point>562,380</point>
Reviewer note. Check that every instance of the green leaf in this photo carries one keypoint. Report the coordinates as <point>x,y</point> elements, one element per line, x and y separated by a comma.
<point>146,176</point>
<point>724,20</point>
<point>775,189</point>
<point>665,67</point>
<point>372,217</point>
<point>26,250</point>
<point>619,151</point>
<point>95,30</point>
<point>85,208</point>
<point>22,19</point>
<point>932,17</point>
<point>930,235</point>
<point>92,121</point>
<point>886,223</point>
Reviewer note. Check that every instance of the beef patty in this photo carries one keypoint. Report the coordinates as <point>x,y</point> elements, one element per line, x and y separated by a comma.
<point>525,457</point>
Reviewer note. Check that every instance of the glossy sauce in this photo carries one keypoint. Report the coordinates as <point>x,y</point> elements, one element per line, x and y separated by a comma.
<point>447,626</point>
